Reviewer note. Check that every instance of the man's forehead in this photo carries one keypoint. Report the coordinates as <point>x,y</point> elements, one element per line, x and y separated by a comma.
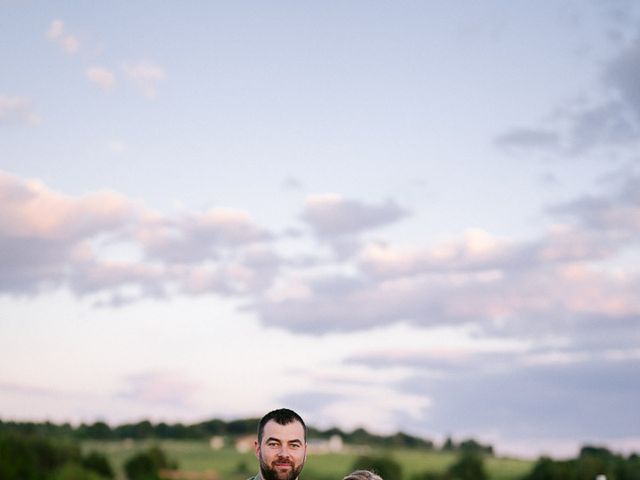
<point>290,431</point>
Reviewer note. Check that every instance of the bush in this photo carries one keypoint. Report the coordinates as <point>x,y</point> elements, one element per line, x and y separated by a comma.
<point>74,471</point>
<point>28,457</point>
<point>469,467</point>
<point>146,465</point>
<point>98,463</point>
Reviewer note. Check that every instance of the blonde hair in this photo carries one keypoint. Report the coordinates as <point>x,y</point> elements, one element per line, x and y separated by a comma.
<point>362,475</point>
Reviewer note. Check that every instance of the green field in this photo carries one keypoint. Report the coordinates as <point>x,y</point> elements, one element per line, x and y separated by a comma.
<point>231,465</point>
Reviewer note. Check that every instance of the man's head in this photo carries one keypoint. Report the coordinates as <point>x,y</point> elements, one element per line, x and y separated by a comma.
<point>281,447</point>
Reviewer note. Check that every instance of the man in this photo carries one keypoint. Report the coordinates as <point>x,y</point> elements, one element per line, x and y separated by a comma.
<point>281,447</point>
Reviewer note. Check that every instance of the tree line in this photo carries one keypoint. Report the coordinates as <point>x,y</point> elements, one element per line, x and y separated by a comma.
<point>234,428</point>
<point>589,465</point>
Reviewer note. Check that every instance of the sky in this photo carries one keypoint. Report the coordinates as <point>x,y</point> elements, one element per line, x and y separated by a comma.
<point>418,215</point>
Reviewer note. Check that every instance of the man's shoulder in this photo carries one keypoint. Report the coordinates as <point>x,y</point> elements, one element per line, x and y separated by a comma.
<point>255,477</point>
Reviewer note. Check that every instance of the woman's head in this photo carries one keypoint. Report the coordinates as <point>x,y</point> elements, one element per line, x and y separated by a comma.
<point>362,475</point>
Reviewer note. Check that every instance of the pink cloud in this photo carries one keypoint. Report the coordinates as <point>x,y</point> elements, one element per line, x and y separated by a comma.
<point>160,387</point>
<point>29,209</point>
<point>474,250</point>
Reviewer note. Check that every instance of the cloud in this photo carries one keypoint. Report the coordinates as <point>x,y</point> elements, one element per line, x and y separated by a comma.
<point>145,76</point>
<point>125,281</point>
<point>102,77</point>
<point>292,183</point>
<point>30,210</point>
<point>56,33</point>
<point>477,250</point>
<point>160,388</point>
<point>352,406</point>
<point>613,217</point>
<point>331,215</point>
<point>28,390</point>
<point>195,237</point>
<point>560,282</point>
<point>608,119</point>
<point>572,281</point>
<point>536,401</point>
<point>42,231</point>
<point>529,138</point>
<point>539,392</point>
<point>50,240</point>
<point>534,296</point>
<point>17,111</point>
<point>623,75</point>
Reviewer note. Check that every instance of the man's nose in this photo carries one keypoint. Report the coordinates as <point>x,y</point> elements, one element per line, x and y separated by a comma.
<point>284,451</point>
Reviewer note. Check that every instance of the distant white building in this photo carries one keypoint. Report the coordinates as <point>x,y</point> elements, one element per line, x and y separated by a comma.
<point>245,444</point>
<point>333,445</point>
<point>216,442</point>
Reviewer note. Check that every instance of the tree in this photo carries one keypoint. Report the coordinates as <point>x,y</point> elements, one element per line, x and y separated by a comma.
<point>473,446</point>
<point>468,467</point>
<point>547,469</point>
<point>98,463</point>
<point>28,457</point>
<point>146,465</point>
<point>99,431</point>
<point>448,445</point>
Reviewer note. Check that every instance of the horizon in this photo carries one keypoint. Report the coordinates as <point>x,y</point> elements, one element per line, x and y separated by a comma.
<point>435,445</point>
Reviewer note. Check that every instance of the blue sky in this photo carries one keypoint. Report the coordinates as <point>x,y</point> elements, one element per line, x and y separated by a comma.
<point>419,215</point>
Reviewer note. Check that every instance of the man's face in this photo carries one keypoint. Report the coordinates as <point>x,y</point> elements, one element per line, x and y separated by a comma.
<point>282,451</point>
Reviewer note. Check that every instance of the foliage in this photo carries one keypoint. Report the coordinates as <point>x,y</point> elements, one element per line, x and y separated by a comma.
<point>386,467</point>
<point>97,463</point>
<point>230,464</point>
<point>146,430</point>
<point>31,457</point>
<point>146,465</point>
<point>74,471</point>
<point>468,467</point>
<point>469,445</point>
<point>591,462</point>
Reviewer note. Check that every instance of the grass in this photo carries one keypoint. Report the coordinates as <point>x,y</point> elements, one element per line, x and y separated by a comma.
<point>232,465</point>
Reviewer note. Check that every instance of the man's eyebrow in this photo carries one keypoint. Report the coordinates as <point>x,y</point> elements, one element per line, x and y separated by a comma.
<point>272,439</point>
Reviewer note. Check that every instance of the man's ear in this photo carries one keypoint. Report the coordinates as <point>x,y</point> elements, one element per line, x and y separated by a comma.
<point>256,447</point>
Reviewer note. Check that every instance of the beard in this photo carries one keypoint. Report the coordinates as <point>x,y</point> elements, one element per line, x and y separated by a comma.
<point>270,473</point>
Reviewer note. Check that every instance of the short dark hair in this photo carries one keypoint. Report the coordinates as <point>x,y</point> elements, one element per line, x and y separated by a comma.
<point>282,416</point>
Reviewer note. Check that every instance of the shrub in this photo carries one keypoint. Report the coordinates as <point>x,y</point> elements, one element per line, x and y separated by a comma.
<point>98,463</point>
<point>74,471</point>
<point>468,467</point>
<point>146,465</point>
